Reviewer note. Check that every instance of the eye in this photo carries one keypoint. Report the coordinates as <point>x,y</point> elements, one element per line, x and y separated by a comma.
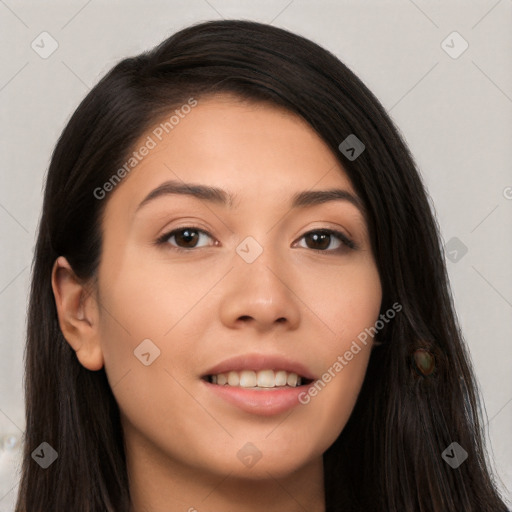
<point>186,238</point>
<point>322,238</point>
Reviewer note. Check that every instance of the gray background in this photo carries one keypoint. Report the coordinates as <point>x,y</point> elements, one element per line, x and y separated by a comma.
<point>455,114</point>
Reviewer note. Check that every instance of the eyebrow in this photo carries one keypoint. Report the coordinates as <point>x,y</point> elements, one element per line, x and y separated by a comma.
<point>223,198</point>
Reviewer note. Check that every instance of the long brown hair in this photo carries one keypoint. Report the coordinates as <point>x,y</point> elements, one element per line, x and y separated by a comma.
<point>388,457</point>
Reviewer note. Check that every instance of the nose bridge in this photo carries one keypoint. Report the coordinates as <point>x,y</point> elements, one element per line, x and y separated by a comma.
<point>259,289</point>
<point>260,265</point>
<point>263,258</point>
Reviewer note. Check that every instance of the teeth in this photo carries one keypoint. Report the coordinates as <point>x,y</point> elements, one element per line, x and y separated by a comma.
<point>233,379</point>
<point>247,379</point>
<point>266,379</point>
<point>292,380</point>
<point>281,378</point>
<point>262,379</point>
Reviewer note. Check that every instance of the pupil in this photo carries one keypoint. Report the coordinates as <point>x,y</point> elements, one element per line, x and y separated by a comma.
<point>316,236</point>
<point>187,237</point>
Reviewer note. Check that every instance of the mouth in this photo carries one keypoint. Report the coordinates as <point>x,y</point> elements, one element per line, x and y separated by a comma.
<point>258,380</point>
<point>261,384</point>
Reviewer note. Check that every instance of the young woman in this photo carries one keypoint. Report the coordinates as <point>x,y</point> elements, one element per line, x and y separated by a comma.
<point>239,300</point>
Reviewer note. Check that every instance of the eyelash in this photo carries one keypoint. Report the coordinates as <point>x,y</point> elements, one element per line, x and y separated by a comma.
<point>346,242</point>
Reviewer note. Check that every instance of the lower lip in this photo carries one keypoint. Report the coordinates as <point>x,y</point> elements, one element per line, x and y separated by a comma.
<point>261,402</point>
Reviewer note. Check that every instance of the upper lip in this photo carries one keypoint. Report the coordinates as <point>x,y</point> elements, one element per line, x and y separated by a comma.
<point>258,362</point>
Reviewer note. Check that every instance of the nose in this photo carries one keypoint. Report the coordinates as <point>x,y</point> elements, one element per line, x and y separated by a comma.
<point>260,294</point>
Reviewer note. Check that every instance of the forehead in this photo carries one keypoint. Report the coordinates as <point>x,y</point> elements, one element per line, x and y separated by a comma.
<point>253,150</point>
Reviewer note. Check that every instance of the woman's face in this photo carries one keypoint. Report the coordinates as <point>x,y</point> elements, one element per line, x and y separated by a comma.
<point>254,280</point>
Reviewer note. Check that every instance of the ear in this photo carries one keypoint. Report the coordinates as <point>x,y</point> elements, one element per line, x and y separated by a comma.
<point>78,315</point>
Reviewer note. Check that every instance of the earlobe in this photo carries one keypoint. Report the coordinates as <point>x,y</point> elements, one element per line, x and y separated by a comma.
<point>78,316</point>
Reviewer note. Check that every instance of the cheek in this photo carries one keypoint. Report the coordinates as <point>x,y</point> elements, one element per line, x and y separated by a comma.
<point>346,304</point>
<point>150,298</point>
<point>345,300</point>
<point>149,345</point>
<point>153,312</point>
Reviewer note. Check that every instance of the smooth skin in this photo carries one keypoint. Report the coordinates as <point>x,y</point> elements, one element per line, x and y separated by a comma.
<point>300,299</point>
